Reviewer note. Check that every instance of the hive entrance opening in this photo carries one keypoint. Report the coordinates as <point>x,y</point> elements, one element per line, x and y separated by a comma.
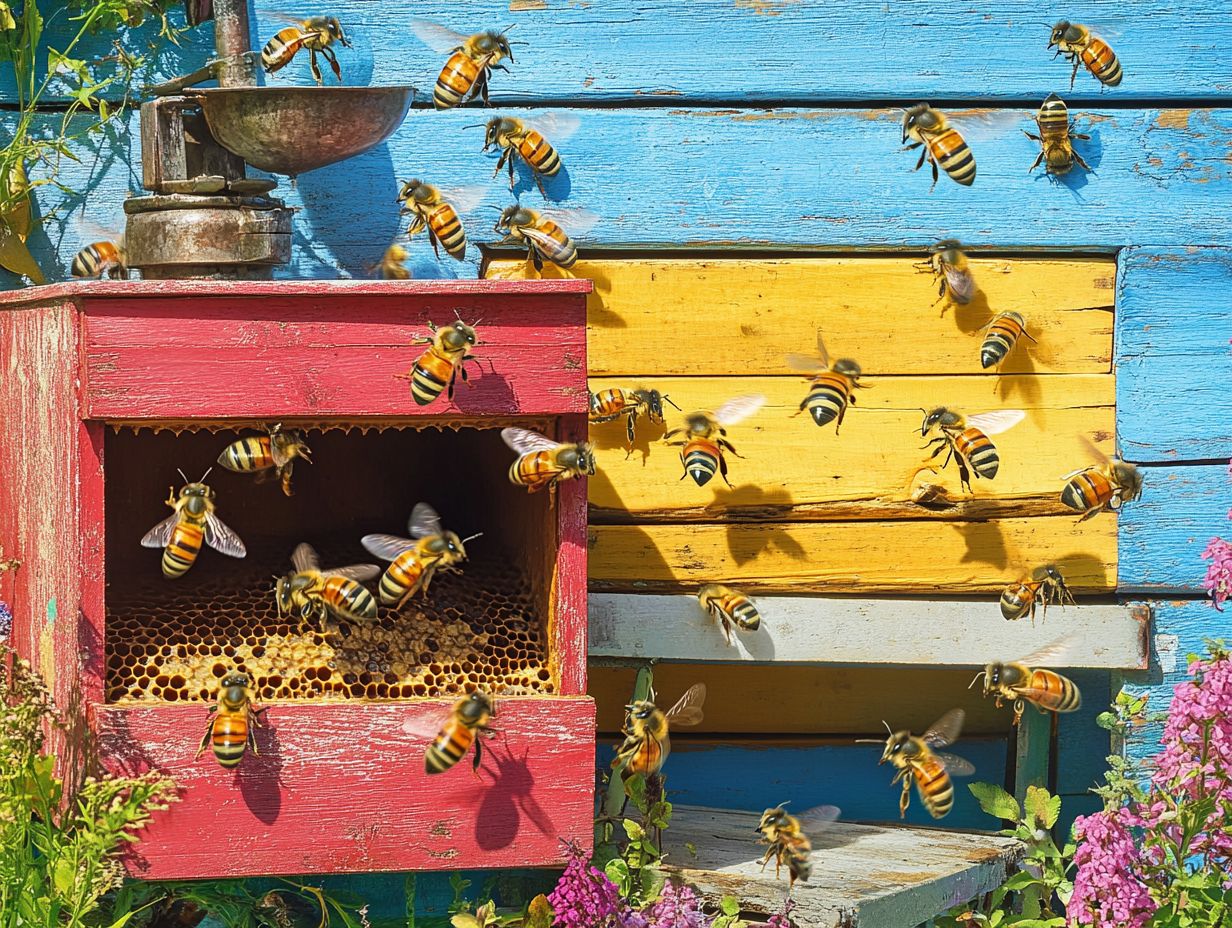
<point>171,640</point>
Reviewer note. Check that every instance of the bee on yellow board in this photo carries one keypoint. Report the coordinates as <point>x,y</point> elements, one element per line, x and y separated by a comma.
<point>315,593</point>
<point>705,441</point>
<point>274,451</point>
<point>730,608</point>
<point>1081,46</point>
<point>315,34</point>
<point>444,360</point>
<point>437,210</point>
<point>965,439</point>
<point>632,403</point>
<point>831,386</point>
<point>1106,486</point>
<point>542,462</point>
<point>940,143</point>
<point>1056,138</point>
<point>1021,682</point>
<point>414,561</point>
<point>471,61</point>
<point>232,724</point>
<point>466,725</point>
<point>647,743</point>
<point>528,139</point>
<point>1046,585</point>
<point>544,234</point>
<point>788,843</point>
<point>193,523</point>
<point>919,760</point>
<point>392,265</point>
<point>1001,336</point>
<point>953,272</point>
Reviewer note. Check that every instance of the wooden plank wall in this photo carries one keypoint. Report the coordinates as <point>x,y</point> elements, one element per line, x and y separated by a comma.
<point>721,136</point>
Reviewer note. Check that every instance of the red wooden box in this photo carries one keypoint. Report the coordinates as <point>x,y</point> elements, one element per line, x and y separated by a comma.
<point>109,387</point>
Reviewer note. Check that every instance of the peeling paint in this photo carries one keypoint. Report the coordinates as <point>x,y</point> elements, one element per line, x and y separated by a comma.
<point>766,7</point>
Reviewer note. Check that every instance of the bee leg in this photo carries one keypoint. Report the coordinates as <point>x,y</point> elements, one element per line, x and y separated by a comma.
<point>1018,707</point>
<point>841,411</point>
<point>1085,167</point>
<point>209,730</point>
<point>500,163</point>
<point>936,176</point>
<point>171,497</point>
<point>478,757</point>
<point>539,182</point>
<point>314,67</point>
<point>329,56</point>
<point>415,228</point>
<point>1074,75</point>
<point>1036,163</point>
<point>536,258</point>
<point>905,799</point>
<point>723,470</point>
<point>964,475</point>
<point>435,249</point>
<point>919,164</point>
<point>481,87</point>
<point>629,430</point>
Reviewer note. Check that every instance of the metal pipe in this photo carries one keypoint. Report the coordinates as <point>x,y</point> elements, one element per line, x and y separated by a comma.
<point>234,44</point>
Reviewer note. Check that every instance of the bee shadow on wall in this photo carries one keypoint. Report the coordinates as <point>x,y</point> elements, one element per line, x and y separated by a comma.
<point>607,435</point>
<point>486,390</point>
<point>259,776</point>
<point>507,800</point>
<point>1083,569</point>
<point>751,506</point>
<point>1022,383</point>
<point>972,318</point>
<point>985,543</point>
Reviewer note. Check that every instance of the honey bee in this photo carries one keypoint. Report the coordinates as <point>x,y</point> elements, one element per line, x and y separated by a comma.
<point>1106,486</point>
<point>468,720</point>
<point>1001,336</point>
<point>470,64</point>
<point>315,593</point>
<point>831,386</point>
<point>1021,682</point>
<point>392,265</point>
<point>918,759</point>
<point>316,34</point>
<point>527,139</point>
<point>1046,585</point>
<point>729,608</point>
<point>940,142</point>
<point>706,441</point>
<point>414,561</point>
<point>965,439</point>
<point>544,463</point>
<point>1079,45</point>
<point>614,402</point>
<point>952,271</point>
<point>1056,135</point>
<point>99,258</point>
<point>436,210</point>
<point>545,239</point>
<point>439,367</point>
<point>231,727</point>
<point>194,519</point>
<point>789,845</point>
<point>261,453</point>
<point>647,745</point>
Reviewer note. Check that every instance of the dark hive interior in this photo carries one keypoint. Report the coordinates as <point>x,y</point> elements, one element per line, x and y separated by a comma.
<point>171,640</point>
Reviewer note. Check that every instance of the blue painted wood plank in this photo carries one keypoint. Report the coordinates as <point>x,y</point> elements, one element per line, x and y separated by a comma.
<point>1174,360</point>
<point>1160,537</point>
<point>659,50</point>
<point>1082,747</point>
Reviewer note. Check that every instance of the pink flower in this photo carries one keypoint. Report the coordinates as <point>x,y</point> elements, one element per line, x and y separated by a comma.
<point>678,907</point>
<point>1107,890</point>
<point>584,897</point>
<point>1218,580</point>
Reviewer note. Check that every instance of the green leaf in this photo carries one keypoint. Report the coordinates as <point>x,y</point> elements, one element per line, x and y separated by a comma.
<point>7,22</point>
<point>618,872</point>
<point>633,830</point>
<point>1043,808</point>
<point>1020,881</point>
<point>996,801</point>
<point>729,905</point>
<point>652,881</point>
<point>539,913</point>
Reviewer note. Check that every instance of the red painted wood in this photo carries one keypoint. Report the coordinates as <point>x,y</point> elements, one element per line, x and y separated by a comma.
<point>341,788</point>
<point>570,629</point>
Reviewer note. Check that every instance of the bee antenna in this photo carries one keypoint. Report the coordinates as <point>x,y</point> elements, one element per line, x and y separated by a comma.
<point>206,474</point>
<point>509,28</point>
<point>976,680</point>
<point>184,475</point>
<point>887,726</point>
<point>478,125</point>
<point>472,537</point>
<point>667,399</point>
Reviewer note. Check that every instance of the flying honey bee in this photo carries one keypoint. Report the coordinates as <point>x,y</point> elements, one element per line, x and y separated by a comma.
<point>543,463</point>
<point>831,386</point>
<point>1046,586</point>
<point>1079,45</point>
<point>316,34</point>
<point>437,210</point>
<point>471,61</point>
<point>952,271</point>
<point>965,439</point>
<point>315,593</point>
<point>444,360</point>
<point>542,233</point>
<point>1001,336</point>
<point>232,724</point>
<point>647,745</point>
<point>706,441</point>
<point>414,561</point>
<point>789,845</point>
<point>180,534</point>
<point>729,608</point>
<point>467,724</point>
<point>1107,485</point>
<point>275,451</point>
<point>105,254</point>
<point>392,265</point>
<point>1021,682</point>
<point>940,142</point>
<point>1056,135</point>
<point>918,759</point>
<point>614,402</point>
<point>528,139</point>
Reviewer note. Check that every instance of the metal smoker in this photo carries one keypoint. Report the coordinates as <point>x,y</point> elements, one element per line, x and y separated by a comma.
<point>204,217</point>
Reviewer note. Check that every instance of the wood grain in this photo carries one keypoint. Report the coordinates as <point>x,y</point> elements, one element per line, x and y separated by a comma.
<point>792,469</point>
<point>848,630</point>
<point>742,316</point>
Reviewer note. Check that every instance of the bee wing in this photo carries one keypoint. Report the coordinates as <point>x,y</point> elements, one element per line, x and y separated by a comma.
<point>304,557</point>
<point>464,199</point>
<point>992,423</point>
<point>1089,447</point>
<point>574,221</point>
<point>821,350</point>
<point>983,126</point>
<point>435,36</point>
<point>360,572</point>
<point>159,535</point>
<point>551,246</point>
<point>1052,653</point>
<point>954,765</point>
<point>818,817</point>
<point>962,285</point>
<point>805,363</point>
<point>524,441</point>
<point>945,730</point>
<point>89,231</point>
<point>740,408</point>
<point>386,547</point>
<point>219,537</point>
<point>555,127</point>
<point>424,729</point>
<point>424,521</point>
<point>688,709</point>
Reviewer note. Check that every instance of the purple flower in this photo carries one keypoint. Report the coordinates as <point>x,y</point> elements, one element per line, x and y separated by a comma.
<point>1218,580</point>
<point>678,906</point>
<point>6,621</point>
<point>1107,890</point>
<point>584,897</point>
<point>781,919</point>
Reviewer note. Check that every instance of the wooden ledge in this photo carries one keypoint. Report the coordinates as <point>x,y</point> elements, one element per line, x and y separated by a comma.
<point>864,876</point>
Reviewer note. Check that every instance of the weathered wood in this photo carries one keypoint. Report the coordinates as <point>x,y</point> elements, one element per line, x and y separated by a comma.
<point>863,876</point>
<point>743,316</point>
<point>1033,747</point>
<point>919,558</point>
<point>845,630</point>
<point>792,469</point>
<point>1173,360</point>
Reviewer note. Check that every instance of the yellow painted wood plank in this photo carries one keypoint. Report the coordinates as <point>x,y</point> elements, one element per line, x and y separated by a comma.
<point>795,470</point>
<point>919,558</point>
<point>716,317</point>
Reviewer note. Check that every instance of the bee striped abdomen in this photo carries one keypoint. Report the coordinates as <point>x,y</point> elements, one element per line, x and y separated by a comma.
<point>96,259</point>
<point>1102,62</point>
<point>539,153</point>
<point>979,451</point>
<point>954,156</point>
<point>455,81</point>
<point>447,227</point>
<point>936,788</point>
<point>248,454</point>
<point>349,597</point>
<point>1002,335</point>
<point>607,404</point>
<point>1016,599</point>
<point>229,737</point>
<point>1053,119</point>
<point>1087,490</point>
<point>533,470</point>
<point>648,758</point>
<point>742,611</point>
<point>827,397</point>
<point>402,574</point>
<point>1054,691</point>
<point>562,252</point>
<point>701,460</point>
<point>280,49</point>
<point>432,373</point>
<point>182,550</point>
<point>448,748</point>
